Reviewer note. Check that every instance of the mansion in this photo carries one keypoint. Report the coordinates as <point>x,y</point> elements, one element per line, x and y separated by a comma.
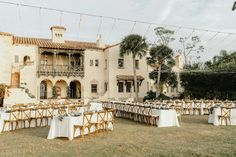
<point>60,69</point>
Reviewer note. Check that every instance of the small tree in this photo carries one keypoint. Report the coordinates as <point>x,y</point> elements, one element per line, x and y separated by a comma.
<point>54,92</point>
<point>190,47</point>
<point>161,60</point>
<point>136,46</point>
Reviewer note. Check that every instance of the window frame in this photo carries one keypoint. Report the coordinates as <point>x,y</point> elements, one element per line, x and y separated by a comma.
<point>94,89</point>
<point>118,84</point>
<point>126,86</point>
<point>91,62</point>
<point>96,64</point>
<point>120,67</point>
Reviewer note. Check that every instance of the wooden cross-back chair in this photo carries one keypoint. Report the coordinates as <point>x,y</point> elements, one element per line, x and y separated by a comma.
<point>225,115</point>
<point>130,111</point>
<point>207,106</point>
<point>100,122</point>
<point>141,113</point>
<point>25,116</point>
<point>153,118</point>
<point>169,103</point>
<point>110,118</point>
<point>39,115</point>
<point>227,104</point>
<point>188,107</point>
<point>13,118</point>
<point>87,116</point>
<point>197,107</point>
<point>48,113</point>
<point>62,110</point>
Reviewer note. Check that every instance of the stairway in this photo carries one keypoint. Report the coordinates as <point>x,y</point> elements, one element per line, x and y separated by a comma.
<point>17,96</point>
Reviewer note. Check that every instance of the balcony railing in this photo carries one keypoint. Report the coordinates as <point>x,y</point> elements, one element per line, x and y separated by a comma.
<point>60,70</point>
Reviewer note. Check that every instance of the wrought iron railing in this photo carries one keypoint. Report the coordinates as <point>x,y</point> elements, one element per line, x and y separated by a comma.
<point>60,70</point>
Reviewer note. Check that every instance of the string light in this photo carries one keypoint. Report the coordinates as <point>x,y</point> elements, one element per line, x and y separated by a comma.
<point>133,27</point>
<point>110,17</point>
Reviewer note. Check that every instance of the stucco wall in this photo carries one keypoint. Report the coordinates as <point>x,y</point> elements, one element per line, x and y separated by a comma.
<point>93,74</point>
<point>113,55</point>
<point>5,57</point>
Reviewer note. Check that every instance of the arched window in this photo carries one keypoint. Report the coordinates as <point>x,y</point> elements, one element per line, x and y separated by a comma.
<point>26,60</point>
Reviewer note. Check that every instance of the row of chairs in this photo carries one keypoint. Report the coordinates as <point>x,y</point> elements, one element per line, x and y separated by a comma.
<point>134,111</point>
<point>103,120</point>
<point>24,115</point>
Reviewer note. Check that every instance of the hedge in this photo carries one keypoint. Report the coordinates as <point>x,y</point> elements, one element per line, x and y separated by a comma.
<point>209,85</point>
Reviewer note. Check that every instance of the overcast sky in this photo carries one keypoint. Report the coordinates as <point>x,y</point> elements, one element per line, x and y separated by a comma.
<point>206,14</point>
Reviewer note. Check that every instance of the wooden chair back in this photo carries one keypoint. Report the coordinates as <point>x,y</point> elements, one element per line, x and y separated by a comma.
<point>87,116</point>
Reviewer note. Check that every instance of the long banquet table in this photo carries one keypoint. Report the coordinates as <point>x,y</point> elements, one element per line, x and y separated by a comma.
<point>65,127</point>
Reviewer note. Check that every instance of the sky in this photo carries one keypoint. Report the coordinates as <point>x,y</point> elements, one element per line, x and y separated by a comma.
<point>214,15</point>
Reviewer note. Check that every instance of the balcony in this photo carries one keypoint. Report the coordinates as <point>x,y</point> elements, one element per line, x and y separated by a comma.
<point>61,70</point>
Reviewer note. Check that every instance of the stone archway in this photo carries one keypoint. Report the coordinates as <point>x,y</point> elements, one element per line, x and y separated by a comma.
<point>61,89</point>
<point>75,90</point>
<point>46,89</point>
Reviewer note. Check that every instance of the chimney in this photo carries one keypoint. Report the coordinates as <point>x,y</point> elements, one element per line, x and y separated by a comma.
<point>100,42</point>
<point>179,61</point>
<point>58,33</point>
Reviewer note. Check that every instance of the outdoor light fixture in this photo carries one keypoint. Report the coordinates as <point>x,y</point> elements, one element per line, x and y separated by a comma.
<point>234,6</point>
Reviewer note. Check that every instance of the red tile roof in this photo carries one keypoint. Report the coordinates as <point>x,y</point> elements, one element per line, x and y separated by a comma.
<point>5,34</point>
<point>47,43</point>
<point>58,27</point>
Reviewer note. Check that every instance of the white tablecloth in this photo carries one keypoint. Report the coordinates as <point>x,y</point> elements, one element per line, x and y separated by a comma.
<point>65,128</point>
<point>213,118</point>
<point>167,118</point>
<point>5,116</point>
<point>95,106</point>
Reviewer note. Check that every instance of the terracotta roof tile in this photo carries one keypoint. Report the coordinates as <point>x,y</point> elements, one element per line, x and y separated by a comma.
<point>58,27</point>
<point>5,34</point>
<point>47,43</point>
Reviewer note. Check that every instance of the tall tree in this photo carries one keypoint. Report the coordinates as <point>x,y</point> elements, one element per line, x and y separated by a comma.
<point>164,35</point>
<point>136,46</point>
<point>161,59</point>
<point>191,47</point>
<point>224,62</point>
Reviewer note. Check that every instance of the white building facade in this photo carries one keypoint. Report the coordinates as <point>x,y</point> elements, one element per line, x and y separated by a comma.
<point>59,69</point>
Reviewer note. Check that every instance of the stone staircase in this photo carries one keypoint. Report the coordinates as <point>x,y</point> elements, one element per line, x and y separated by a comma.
<point>17,96</point>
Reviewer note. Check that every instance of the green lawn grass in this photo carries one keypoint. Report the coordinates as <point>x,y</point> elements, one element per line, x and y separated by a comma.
<point>195,137</point>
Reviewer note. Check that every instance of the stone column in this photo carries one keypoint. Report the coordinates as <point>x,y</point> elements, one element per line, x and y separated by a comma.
<point>54,63</point>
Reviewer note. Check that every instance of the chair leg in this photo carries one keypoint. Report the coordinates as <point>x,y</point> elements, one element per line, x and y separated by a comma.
<point>3,126</point>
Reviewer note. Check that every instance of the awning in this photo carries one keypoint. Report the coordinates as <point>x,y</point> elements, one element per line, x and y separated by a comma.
<point>129,77</point>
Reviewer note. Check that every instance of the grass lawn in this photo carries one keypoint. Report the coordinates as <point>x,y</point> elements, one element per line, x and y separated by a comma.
<point>195,137</point>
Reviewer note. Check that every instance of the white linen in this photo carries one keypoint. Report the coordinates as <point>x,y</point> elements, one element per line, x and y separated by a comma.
<point>213,118</point>
<point>5,116</point>
<point>65,128</point>
<point>167,118</point>
<point>95,106</point>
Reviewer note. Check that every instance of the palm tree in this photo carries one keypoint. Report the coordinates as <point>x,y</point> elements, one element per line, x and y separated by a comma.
<point>136,46</point>
<point>160,55</point>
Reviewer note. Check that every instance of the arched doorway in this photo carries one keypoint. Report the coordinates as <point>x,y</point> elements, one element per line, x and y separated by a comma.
<point>61,89</point>
<point>75,90</point>
<point>45,89</point>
